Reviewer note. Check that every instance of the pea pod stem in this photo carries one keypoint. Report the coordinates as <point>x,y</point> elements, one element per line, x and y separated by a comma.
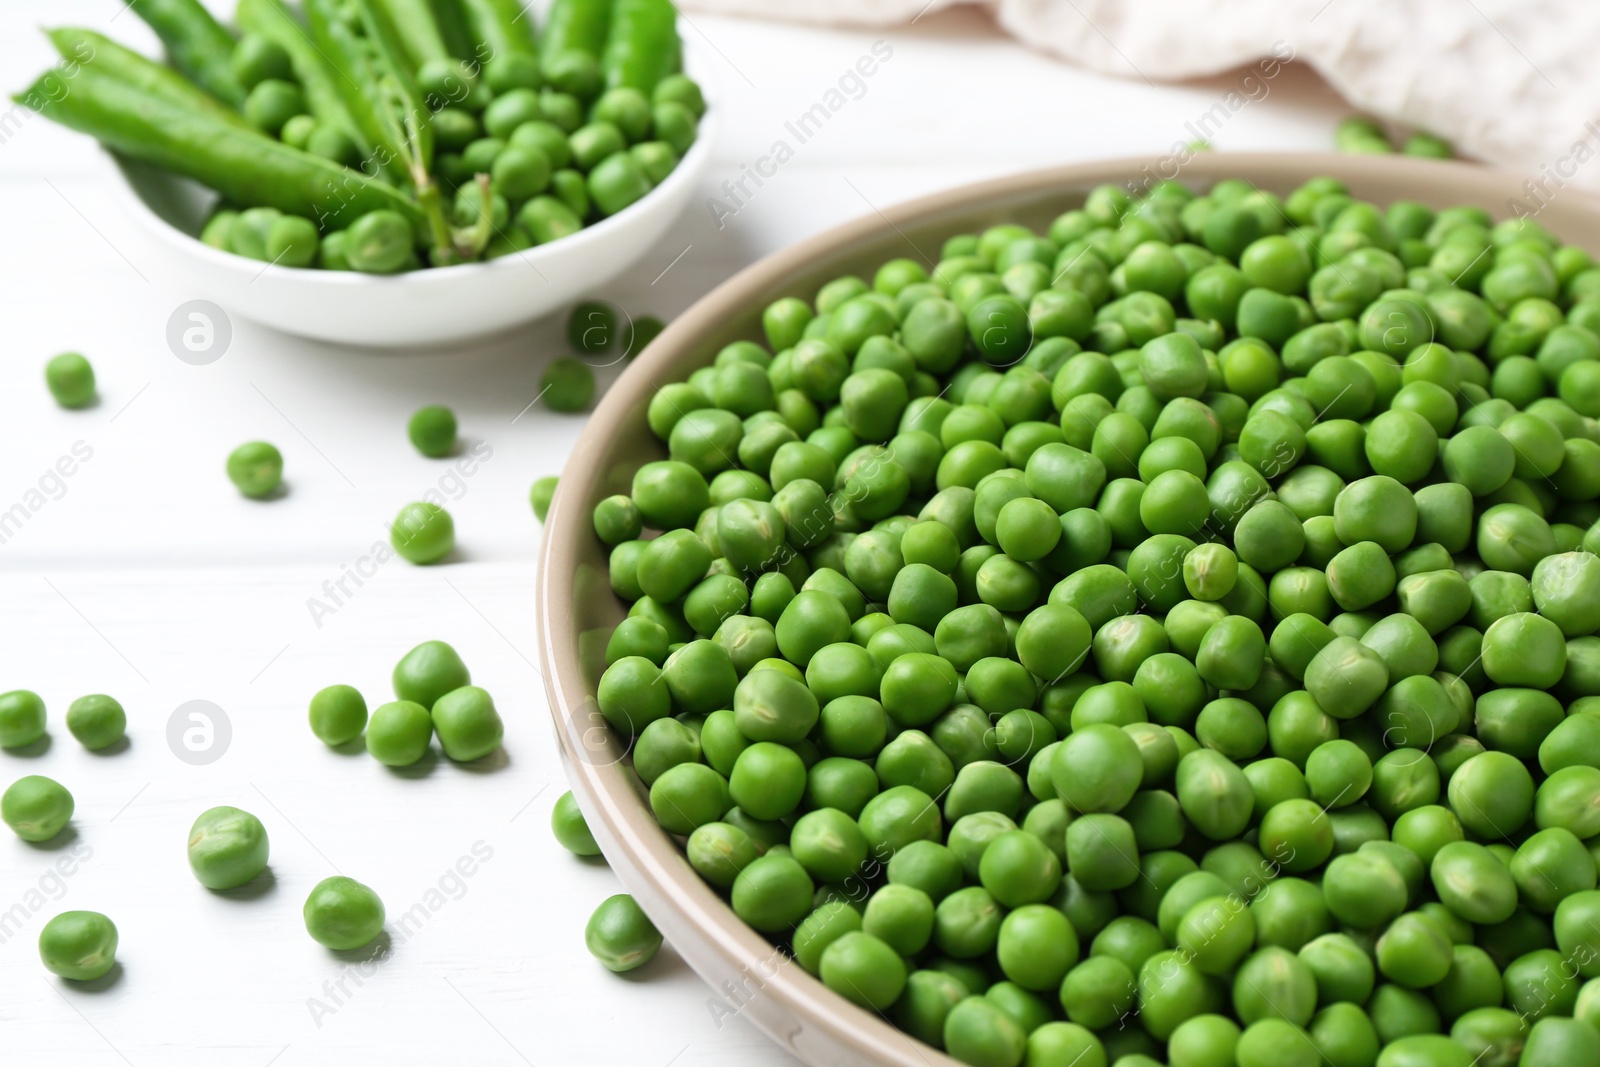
<point>273,20</point>
<point>479,234</point>
<point>197,44</point>
<point>100,53</point>
<point>243,165</point>
<point>439,233</point>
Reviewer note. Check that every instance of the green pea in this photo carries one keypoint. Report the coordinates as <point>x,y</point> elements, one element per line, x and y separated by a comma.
<point>467,723</point>
<point>423,533</point>
<point>79,945</point>
<point>398,733</point>
<point>70,379</point>
<point>227,848</point>
<point>620,935</point>
<point>429,671</point>
<point>571,830</point>
<point>256,469</point>
<point>36,808</point>
<point>341,913</point>
<point>97,721</point>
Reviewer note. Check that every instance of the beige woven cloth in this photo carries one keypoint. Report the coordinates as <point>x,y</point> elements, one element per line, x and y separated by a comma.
<point>1511,82</point>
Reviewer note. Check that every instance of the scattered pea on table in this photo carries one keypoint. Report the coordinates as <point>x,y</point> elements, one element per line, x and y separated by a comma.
<point>567,385</point>
<point>70,379</point>
<point>423,533</point>
<point>432,430</point>
<point>341,913</point>
<point>79,945</point>
<point>256,469</point>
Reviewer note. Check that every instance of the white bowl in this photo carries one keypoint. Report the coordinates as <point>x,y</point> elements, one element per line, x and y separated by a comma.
<point>421,307</point>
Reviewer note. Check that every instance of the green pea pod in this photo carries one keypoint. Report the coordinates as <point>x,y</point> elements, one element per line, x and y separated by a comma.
<point>95,51</point>
<point>395,84</point>
<point>399,102</point>
<point>411,31</point>
<point>502,26</point>
<point>245,166</point>
<point>579,25</point>
<point>273,20</point>
<point>453,27</point>
<point>643,46</point>
<point>196,43</point>
<point>382,134</point>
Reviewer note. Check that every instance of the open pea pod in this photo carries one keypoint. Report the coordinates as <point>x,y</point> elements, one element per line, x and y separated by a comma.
<point>357,64</point>
<point>273,20</point>
<point>400,101</point>
<point>245,166</point>
<point>81,48</point>
<point>394,77</point>
<point>197,44</point>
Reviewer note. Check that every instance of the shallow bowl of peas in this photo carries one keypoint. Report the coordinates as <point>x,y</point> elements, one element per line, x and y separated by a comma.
<point>829,992</point>
<point>431,306</point>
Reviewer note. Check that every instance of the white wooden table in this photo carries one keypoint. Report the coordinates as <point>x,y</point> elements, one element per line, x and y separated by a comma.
<point>143,574</point>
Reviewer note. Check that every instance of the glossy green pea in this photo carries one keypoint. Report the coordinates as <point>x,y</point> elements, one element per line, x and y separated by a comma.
<point>1338,773</point>
<point>1473,884</point>
<point>1567,799</point>
<point>22,718</point>
<point>1346,677</point>
<point>620,935</point>
<point>256,469</point>
<point>1554,1040</point>
<point>36,807</point>
<point>342,913</point>
<point>227,848</point>
<point>398,733</point>
<point>78,945</point>
<point>467,723</point>
<point>1540,983</point>
<point>570,829</point>
<point>1097,768</point>
<point>98,721</point>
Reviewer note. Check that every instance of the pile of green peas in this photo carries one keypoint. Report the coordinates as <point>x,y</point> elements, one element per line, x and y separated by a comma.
<point>434,697</point>
<point>1167,638</point>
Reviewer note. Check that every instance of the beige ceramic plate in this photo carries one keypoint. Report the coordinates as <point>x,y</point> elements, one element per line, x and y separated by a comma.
<point>746,975</point>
